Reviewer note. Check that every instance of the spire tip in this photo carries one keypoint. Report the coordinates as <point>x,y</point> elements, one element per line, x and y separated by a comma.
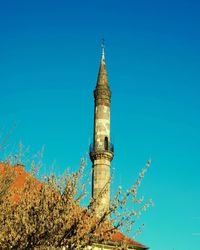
<point>103,48</point>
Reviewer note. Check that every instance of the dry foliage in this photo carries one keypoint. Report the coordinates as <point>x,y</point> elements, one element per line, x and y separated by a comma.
<point>48,214</point>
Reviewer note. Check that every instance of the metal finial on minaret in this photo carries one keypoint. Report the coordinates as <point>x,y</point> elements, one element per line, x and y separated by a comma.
<point>103,48</point>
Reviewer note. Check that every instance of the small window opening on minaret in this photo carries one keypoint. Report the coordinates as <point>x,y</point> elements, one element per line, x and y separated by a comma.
<point>106,143</point>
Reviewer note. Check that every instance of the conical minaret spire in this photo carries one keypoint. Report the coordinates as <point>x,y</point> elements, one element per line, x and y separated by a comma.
<point>102,79</point>
<point>101,151</point>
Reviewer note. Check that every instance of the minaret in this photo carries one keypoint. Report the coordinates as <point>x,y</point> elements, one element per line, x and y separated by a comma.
<point>101,151</point>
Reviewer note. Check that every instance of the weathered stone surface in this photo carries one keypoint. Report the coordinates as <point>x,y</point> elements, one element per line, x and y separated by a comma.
<point>102,126</point>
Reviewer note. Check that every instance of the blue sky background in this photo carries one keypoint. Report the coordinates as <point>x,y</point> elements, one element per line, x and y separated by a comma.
<point>49,60</point>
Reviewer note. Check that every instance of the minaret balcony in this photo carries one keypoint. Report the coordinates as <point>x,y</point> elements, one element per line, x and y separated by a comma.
<point>109,147</point>
<point>106,151</point>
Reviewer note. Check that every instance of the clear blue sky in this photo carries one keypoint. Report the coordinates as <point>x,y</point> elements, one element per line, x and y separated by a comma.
<point>49,59</point>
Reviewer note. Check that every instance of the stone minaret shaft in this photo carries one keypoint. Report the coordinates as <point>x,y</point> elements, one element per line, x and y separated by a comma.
<point>101,151</point>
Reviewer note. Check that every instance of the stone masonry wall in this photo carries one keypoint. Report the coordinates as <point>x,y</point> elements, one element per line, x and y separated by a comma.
<point>101,184</point>
<point>102,126</point>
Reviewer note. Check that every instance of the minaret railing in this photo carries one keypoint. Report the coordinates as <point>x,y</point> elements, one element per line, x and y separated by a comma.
<point>107,148</point>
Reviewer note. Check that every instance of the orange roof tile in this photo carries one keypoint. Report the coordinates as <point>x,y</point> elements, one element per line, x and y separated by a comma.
<point>118,237</point>
<point>20,178</point>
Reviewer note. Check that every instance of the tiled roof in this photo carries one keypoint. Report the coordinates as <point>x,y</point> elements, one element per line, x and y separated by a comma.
<point>118,237</point>
<point>20,177</point>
